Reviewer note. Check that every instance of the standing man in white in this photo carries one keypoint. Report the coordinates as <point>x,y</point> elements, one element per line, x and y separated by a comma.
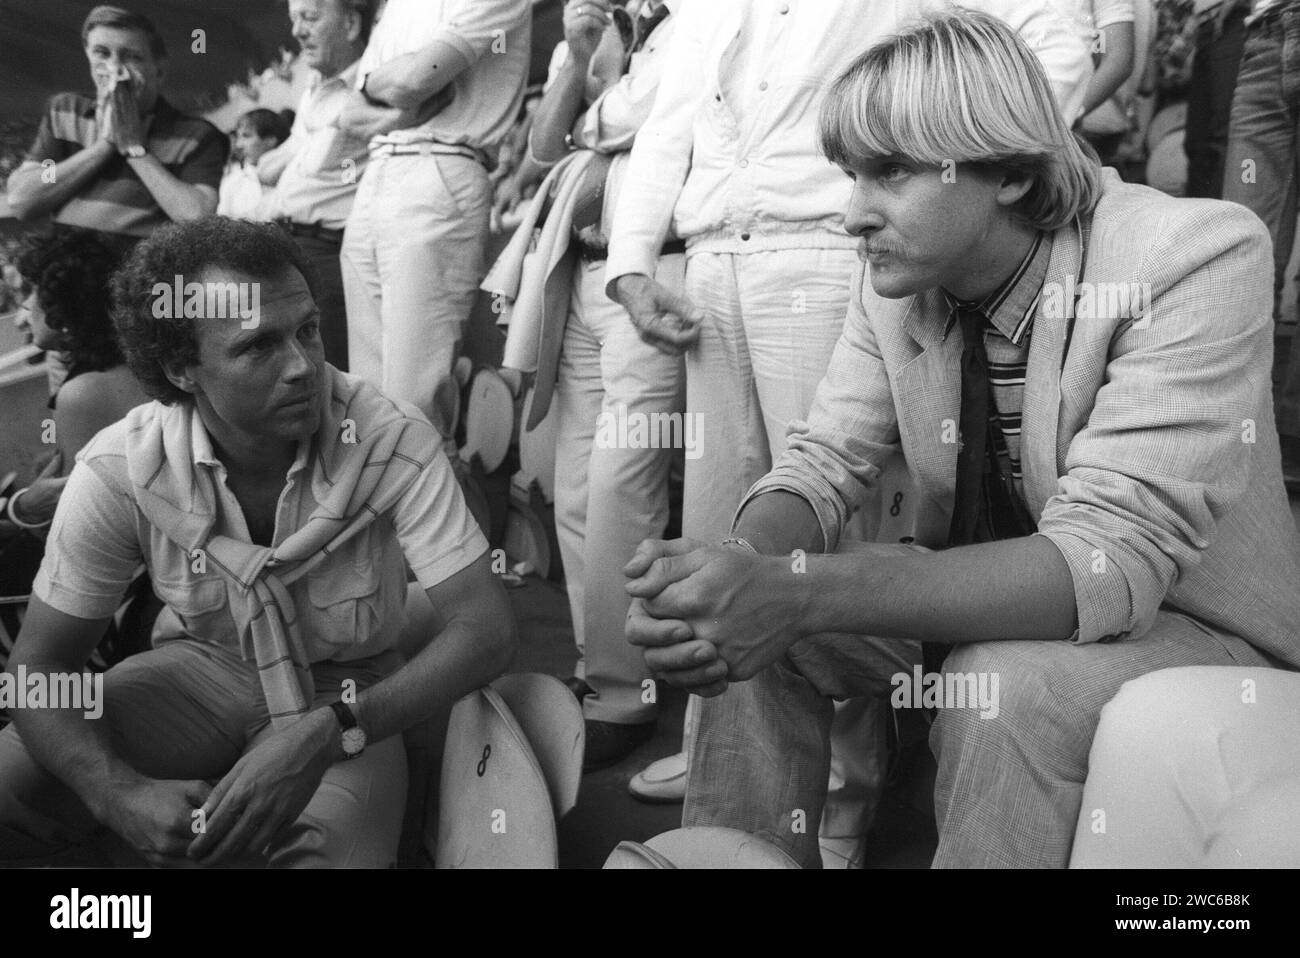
<point>438,87</point>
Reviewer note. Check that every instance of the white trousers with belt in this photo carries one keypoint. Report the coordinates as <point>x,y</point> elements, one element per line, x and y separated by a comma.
<point>412,257</point>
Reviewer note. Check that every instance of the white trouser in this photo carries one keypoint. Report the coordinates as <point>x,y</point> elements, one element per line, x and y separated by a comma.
<point>611,495</point>
<point>412,258</point>
<point>774,320</point>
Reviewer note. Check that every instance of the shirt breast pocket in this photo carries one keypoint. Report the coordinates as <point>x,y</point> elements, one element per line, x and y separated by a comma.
<point>199,603</point>
<point>343,599</point>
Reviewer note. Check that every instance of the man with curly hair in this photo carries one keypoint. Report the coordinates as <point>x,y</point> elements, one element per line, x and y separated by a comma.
<point>277,504</point>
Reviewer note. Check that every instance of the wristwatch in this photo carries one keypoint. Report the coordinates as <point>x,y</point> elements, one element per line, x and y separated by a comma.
<point>354,736</point>
<point>135,152</point>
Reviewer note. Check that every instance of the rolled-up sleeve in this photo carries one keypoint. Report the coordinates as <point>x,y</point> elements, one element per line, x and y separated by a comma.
<point>1165,452</point>
<point>832,459</point>
<point>474,25</point>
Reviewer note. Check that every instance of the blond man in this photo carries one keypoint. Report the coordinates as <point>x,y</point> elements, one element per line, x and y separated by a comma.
<point>1101,474</point>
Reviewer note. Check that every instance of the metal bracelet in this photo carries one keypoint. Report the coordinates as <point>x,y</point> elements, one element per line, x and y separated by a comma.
<point>740,541</point>
<point>21,524</point>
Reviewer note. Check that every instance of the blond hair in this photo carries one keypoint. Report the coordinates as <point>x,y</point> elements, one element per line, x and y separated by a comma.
<point>962,87</point>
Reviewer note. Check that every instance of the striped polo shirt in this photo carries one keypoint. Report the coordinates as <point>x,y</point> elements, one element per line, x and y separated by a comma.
<point>117,201</point>
<point>1010,311</point>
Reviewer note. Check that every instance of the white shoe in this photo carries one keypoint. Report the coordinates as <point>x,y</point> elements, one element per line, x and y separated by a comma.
<point>662,782</point>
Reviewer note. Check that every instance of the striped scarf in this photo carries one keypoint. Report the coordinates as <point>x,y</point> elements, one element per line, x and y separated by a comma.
<point>352,482</point>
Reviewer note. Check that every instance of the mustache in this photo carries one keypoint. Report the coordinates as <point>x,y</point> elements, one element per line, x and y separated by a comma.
<point>865,248</point>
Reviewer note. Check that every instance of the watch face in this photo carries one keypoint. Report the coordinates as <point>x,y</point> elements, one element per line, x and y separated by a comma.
<point>354,740</point>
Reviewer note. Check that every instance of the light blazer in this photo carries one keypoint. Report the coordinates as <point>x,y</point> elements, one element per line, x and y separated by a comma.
<point>1149,451</point>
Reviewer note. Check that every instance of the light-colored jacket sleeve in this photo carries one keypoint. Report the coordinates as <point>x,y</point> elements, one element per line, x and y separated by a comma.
<point>1165,451</point>
<point>832,459</point>
<point>611,123</point>
<point>661,156</point>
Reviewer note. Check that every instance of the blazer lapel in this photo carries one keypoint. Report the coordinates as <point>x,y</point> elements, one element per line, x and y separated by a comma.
<point>928,394</point>
<point>1041,452</point>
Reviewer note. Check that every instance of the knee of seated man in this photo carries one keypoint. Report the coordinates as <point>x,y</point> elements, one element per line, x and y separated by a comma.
<point>354,819</point>
<point>1017,691</point>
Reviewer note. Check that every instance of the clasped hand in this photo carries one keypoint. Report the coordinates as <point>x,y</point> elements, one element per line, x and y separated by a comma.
<point>179,822</point>
<point>265,791</point>
<point>117,112</point>
<point>709,615</point>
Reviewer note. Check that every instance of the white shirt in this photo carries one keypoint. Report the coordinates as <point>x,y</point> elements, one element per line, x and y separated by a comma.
<point>240,194</point>
<point>729,156</point>
<point>493,35</point>
<point>319,183</point>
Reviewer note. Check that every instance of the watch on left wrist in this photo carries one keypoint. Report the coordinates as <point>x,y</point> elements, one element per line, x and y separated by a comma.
<point>352,736</point>
<point>134,151</point>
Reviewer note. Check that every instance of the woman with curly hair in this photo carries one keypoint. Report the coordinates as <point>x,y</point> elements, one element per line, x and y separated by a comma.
<point>67,311</point>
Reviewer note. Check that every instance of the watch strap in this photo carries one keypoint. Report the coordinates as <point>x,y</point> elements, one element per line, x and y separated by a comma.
<point>347,719</point>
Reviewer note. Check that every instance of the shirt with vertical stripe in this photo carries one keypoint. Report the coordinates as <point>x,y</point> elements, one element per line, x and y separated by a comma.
<point>1009,311</point>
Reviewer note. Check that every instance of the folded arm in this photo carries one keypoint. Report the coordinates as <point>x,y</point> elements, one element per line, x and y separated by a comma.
<point>181,201</point>
<point>470,32</point>
<point>35,190</point>
<point>408,81</point>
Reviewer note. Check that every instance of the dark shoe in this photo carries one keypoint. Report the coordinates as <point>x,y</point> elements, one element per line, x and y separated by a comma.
<point>578,687</point>
<point>609,742</point>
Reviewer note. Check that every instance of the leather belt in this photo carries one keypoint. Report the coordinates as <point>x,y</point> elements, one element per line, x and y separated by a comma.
<point>311,231</point>
<point>598,254</point>
<point>430,147</point>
